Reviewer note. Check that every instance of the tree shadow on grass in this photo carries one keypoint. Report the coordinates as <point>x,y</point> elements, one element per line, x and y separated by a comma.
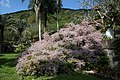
<point>1,55</point>
<point>7,62</point>
<point>75,76</point>
<point>102,77</point>
<point>79,76</point>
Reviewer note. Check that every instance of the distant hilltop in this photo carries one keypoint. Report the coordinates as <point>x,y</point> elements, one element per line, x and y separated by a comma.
<point>32,9</point>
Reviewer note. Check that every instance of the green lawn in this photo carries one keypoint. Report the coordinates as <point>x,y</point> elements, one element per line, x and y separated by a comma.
<point>8,72</point>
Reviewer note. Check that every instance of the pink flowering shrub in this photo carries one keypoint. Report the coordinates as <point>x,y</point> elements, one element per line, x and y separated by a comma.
<point>67,50</point>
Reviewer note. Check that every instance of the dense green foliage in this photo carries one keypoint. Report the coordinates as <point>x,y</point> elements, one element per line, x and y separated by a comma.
<point>65,16</point>
<point>27,32</point>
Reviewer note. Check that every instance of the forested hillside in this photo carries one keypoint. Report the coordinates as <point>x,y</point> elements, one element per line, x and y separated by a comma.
<point>30,31</point>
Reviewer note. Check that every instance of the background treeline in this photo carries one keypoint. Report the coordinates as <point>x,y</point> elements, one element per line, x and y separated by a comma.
<point>20,27</point>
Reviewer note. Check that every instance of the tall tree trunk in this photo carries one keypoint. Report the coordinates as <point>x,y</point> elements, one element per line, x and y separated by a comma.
<point>57,15</point>
<point>57,23</point>
<point>40,37</point>
<point>38,16</point>
<point>20,36</point>
<point>38,21</point>
<point>45,22</point>
<point>1,38</point>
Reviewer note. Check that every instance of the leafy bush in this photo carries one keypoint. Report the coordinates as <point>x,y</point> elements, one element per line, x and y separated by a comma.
<point>36,63</point>
<point>62,52</point>
<point>20,48</point>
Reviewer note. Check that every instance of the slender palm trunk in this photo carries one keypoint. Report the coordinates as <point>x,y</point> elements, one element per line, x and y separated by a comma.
<point>57,15</point>
<point>1,38</point>
<point>38,23</point>
<point>38,16</point>
<point>40,37</point>
<point>57,22</point>
<point>20,36</point>
<point>45,22</point>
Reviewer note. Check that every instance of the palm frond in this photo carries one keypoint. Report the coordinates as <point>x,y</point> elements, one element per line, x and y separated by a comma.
<point>23,1</point>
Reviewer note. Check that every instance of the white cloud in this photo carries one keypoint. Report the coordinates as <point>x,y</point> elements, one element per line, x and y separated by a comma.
<point>5,3</point>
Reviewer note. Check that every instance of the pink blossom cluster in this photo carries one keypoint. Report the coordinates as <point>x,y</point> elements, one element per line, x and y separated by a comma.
<point>74,44</point>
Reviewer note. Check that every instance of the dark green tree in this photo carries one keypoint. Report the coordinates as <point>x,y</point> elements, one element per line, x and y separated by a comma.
<point>1,33</point>
<point>35,4</point>
<point>43,8</point>
<point>5,21</point>
<point>20,26</point>
<point>50,7</point>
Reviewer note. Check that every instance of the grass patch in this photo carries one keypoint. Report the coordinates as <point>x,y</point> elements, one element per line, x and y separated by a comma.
<point>7,66</point>
<point>8,73</point>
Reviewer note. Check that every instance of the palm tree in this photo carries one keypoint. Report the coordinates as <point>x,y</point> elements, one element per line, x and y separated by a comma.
<point>35,4</point>
<point>50,7</point>
<point>58,8</point>
<point>16,26</point>
<point>44,6</point>
<point>5,21</point>
<point>21,25</point>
